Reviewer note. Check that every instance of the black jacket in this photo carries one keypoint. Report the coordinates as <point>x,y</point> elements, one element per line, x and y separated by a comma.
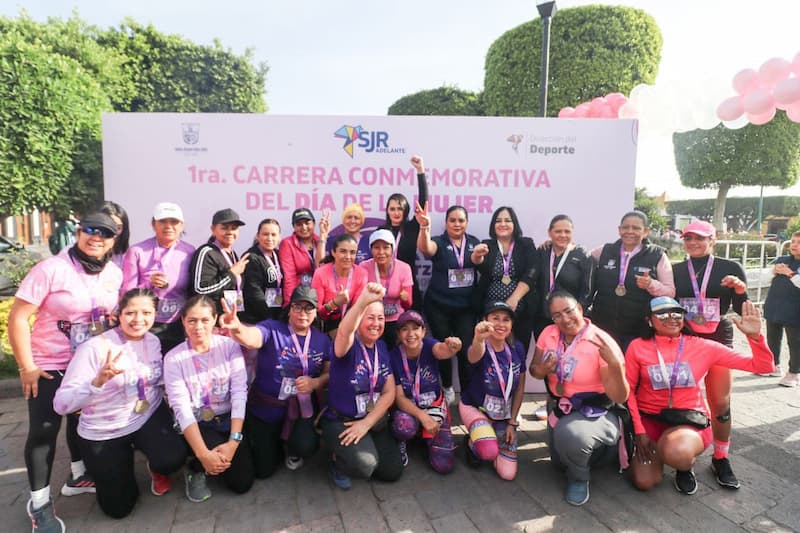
<point>525,258</point>
<point>210,274</point>
<point>258,277</point>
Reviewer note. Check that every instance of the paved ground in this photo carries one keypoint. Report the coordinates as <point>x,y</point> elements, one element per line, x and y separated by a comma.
<point>765,454</point>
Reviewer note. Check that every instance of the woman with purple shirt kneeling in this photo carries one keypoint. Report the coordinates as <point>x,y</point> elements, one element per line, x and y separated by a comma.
<point>206,384</point>
<point>419,398</point>
<point>360,392</point>
<point>115,380</point>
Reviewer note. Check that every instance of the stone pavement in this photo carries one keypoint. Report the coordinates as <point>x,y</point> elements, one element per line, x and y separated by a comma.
<point>765,454</point>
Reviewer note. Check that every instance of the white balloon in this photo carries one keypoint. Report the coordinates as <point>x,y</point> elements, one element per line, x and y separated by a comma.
<point>740,122</point>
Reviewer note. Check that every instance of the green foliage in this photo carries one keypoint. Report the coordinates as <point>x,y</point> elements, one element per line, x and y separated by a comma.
<point>649,207</point>
<point>752,155</point>
<point>794,225</point>
<point>5,346</point>
<point>172,74</point>
<point>594,50</point>
<point>440,101</point>
<point>736,207</point>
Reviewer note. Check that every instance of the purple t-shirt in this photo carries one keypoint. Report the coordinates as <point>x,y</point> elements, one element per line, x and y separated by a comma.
<point>279,364</point>
<point>484,380</point>
<point>348,388</point>
<point>429,385</point>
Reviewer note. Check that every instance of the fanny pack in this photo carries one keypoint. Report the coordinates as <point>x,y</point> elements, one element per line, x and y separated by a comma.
<point>683,417</point>
<point>220,423</point>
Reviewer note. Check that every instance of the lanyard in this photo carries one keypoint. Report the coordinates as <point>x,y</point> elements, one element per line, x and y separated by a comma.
<point>700,293</point>
<point>461,249</point>
<point>415,389</point>
<point>378,278</point>
<point>505,386</point>
<point>563,351</point>
<point>506,258</point>
<point>559,267</point>
<point>230,260</point>
<point>302,354</point>
<point>624,260</point>
<point>673,377</point>
<point>347,285</point>
<point>95,312</point>
<point>397,242</point>
<point>206,386</point>
<point>274,264</point>
<point>372,368</point>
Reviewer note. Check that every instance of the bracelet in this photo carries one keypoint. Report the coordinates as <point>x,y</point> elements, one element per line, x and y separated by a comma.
<point>513,424</point>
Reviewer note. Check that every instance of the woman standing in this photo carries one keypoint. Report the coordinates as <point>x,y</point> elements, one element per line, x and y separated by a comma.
<point>360,392</point>
<point>292,371</point>
<point>490,404</point>
<point>449,298</point>
<point>338,283</point>
<point>628,273</point>
<point>706,286</point>
<point>206,385</point>
<point>664,371</point>
<point>353,221</point>
<point>421,407</point>
<point>564,266</point>
<point>394,276</point>
<point>782,310</point>
<point>216,269</point>
<point>405,229</point>
<point>72,295</point>
<point>161,264</point>
<point>262,286</point>
<point>115,381</point>
<point>302,252</point>
<point>507,264</point>
<point>585,376</point>
<point>120,216</point>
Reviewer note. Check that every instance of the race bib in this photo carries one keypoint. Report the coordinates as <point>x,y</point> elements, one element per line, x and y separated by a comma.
<point>389,309</point>
<point>710,308</point>
<point>362,403</point>
<point>305,279</point>
<point>426,399</point>
<point>273,297</point>
<point>568,368</point>
<point>234,298</point>
<point>460,277</point>
<point>496,407</point>
<point>80,333</point>
<point>684,378</point>
<point>288,388</point>
<point>167,307</point>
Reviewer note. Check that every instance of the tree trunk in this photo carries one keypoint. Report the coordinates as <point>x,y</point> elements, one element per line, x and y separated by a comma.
<point>719,207</point>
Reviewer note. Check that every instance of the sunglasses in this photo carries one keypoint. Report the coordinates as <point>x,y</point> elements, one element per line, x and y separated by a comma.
<point>674,315</point>
<point>299,308</point>
<point>104,233</point>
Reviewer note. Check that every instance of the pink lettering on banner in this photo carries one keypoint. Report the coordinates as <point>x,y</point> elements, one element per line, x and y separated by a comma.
<point>266,201</point>
<point>382,177</point>
<point>287,175</point>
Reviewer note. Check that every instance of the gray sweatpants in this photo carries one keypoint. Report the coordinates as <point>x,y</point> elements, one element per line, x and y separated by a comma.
<point>577,443</point>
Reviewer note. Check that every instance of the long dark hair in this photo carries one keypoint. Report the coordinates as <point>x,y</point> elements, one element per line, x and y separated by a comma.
<point>517,233</point>
<point>403,201</point>
<point>335,244</point>
<point>122,241</point>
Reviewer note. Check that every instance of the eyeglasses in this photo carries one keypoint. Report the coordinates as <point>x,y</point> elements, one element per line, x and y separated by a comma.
<point>674,315</point>
<point>104,233</point>
<point>557,317</point>
<point>300,308</point>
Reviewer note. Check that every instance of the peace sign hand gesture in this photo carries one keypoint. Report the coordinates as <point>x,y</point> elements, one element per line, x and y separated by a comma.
<point>228,319</point>
<point>108,371</point>
<point>422,216</point>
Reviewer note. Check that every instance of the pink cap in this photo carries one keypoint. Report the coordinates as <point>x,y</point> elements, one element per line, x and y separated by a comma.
<point>700,227</point>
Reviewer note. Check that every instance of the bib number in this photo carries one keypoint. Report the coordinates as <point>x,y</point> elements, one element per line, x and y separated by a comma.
<point>80,333</point>
<point>234,298</point>
<point>426,399</point>
<point>460,277</point>
<point>710,308</point>
<point>167,308</point>
<point>305,280</point>
<point>389,310</point>
<point>362,401</point>
<point>288,388</point>
<point>496,407</point>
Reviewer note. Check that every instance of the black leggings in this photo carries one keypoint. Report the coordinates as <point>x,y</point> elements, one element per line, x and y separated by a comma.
<point>43,427</point>
<point>267,446</point>
<point>450,322</point>
<point>775,338</point>
<point>110,462</point>
<point>377,455</point>
<point>239,476</point>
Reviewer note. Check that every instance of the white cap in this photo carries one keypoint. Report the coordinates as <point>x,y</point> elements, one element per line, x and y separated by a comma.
<point>381,235</point>
<point>167,210</point>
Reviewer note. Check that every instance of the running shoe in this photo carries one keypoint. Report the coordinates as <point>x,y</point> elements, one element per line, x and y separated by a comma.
<point>577,492</point>
<point>724,473</point>
<point>81,485</point>
<point>685,481</point>
<point>44,519</point>
<point>403,452</point>
<point>196,487</point>
<point>159,483</point>
<point>790,380</point>
<point>340,479</point>
<point>473,461</point>
<point>449,395</point>
<point>293,462</point>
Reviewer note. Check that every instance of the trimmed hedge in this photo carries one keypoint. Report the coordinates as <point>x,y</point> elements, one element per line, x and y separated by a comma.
<point>440,101</point>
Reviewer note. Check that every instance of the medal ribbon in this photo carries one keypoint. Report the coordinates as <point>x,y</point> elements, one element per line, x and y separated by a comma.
<point>505,386</point>
<point>275,266</point>
<point>347,285</point>
<point>388,277</point>
<point>206,386</point>
<point>415,389</point>
<point>160,261</point>
<point>700,293</point>
<point>506,258</point>
<point>302,354</point>
<point>461,249</point>
<point>371,368</point>
<point>230,260</point>
<point>624,261</point>
<point>559,267</point>
<point>397,243</point>
<point>673,377</point>
<point>563,351</point>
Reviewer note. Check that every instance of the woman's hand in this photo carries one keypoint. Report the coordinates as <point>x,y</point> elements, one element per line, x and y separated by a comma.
<point>482,330</point>
<point>782,269</point>
<point>429,424</point>
<point>354,432</point>
<point>227,450</point>
<point>422,216</point>
<point>373,292</point>
<point>325,224</point>
<point>238,266</point>
<point>228,319</point>
<point>419,166</point>
<point>732,282</point>
<point>547,364</point>
<point>342,297</point>
<point>605,350</point>
<point>510,435</point>
<point>30,381</point>
<point>513,302</point>
<point>645,451</point>
<point>404,296</point>
<point>480,250</point>
<point>159,280</point>
<point>214,462</point>
<point>750,322</point>
<point>306,384</point>
<point>453,345</point>
<point>108,371</point>
<point>644,281</point>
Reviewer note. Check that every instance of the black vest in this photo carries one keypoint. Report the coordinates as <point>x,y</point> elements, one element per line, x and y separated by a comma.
<point>624,315</point>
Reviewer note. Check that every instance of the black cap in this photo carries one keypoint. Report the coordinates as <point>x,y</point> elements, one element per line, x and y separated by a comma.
<point>305,294</point>
<point>302,214</point>
<point>498,306</point>
<point>99,221</point>
<point>227,216</point>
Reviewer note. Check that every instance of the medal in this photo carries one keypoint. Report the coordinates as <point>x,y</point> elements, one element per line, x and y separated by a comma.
<point>370,405</point>
<point>207,414</point>
<point>279,299</point>
<point>460,276</point>
<point>620,290</point>
<point>699,319</point>
<point>506,279</point>
<point>141,406</point>
<point>94,328</point>
<point>560,389</point>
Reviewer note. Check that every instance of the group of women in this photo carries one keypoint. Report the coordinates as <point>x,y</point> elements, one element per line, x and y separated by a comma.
<point>144,348</point>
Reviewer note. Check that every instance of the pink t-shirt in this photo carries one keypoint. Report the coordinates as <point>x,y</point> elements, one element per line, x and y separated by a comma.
<point>217,378</point>
<point>581,366</point>
<point>108,412</point>
<point>399,279</point>
<point>326,284</point>
<point>65,296</point>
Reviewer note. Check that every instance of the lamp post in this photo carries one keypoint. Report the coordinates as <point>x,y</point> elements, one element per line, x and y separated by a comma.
<point>546,10</point>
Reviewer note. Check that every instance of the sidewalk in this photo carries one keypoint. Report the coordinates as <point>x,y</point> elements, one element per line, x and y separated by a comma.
<point>765,453</point>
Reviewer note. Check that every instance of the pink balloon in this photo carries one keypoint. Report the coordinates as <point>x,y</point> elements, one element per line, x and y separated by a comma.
<point>746,80</point>
<point>616,100</point>
<point>774,71</point>
<point>730,108</point>
<point>606,112</point>
<point>758,102</point>
<point>596,105</point>
<point>793,112</point>
<point>796,65</point>
<point>582,111</point>
<point>760,119</point>
<point>787,92</point>
<point>566,112</point>
<point>628,110</point>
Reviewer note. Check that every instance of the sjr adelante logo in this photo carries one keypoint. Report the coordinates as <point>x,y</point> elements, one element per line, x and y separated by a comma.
<point>368,141</point>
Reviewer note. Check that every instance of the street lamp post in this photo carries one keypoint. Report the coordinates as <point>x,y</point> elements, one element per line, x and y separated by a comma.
<point>546,10</point>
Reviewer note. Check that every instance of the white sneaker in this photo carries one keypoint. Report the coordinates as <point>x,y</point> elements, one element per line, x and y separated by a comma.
<point>449,395</point>
<point>293,463</point>
<point>790,380</point>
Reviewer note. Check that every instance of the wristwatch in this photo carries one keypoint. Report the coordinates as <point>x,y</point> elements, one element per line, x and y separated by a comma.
<point>236,436</point>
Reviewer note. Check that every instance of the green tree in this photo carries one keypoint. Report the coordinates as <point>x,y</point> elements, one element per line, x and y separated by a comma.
<point>594,50</point>
<point>648,205</point>
<point>440,101</point>
<point>721,158</point>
